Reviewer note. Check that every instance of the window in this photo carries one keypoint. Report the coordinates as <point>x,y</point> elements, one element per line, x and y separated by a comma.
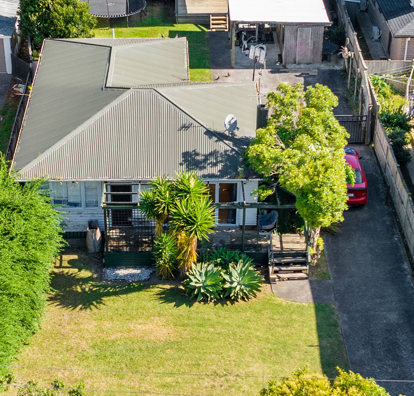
<point>91,194</point>
<point>224,193</point>
<point>66,193</point>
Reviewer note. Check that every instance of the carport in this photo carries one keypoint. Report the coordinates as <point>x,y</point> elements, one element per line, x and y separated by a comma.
<point>299,26</point>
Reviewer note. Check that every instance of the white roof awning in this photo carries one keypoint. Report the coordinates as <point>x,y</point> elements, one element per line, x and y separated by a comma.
<point>278,11</point>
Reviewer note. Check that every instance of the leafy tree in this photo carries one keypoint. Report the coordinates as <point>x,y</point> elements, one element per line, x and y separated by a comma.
<point>398,140</point>
<point>42,19</point>
<point>30,238</point>
<point>302,383</point>
<point>301,148</point>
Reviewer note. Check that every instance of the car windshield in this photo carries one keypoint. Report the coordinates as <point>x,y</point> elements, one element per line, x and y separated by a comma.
<point>349,150</point>
<point>358,176</point>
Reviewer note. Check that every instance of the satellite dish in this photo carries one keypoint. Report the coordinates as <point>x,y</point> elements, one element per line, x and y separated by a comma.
<point>230,123</point>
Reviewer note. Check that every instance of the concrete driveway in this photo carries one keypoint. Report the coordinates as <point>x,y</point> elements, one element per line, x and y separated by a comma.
<point>373,288</point>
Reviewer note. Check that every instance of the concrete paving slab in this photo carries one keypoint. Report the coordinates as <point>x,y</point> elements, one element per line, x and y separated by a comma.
<point>373,288</point>
<point>4,86</point>
<point>375,47</point>
<point>309,291</point>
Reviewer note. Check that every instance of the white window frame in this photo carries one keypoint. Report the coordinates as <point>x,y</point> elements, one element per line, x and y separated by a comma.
<point>83,195</point>
<point>216,200</point>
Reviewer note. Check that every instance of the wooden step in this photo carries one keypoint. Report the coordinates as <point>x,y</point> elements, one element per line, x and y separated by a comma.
<point>288,260</point>
<point>218,23</point>
<point>289,268</point>
<point>293,276</point>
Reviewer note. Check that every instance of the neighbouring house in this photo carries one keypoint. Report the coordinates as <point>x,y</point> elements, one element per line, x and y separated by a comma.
<point>111,114</point>
<point>295,26</point>
<point>394,20</point>
<point>8,34</point>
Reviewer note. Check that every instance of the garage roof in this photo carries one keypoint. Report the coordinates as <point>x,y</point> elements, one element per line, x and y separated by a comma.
<point>278,11</point>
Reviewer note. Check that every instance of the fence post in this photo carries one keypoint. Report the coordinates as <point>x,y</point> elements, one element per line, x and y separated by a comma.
<point>356,83</point>
<point>349,69</point>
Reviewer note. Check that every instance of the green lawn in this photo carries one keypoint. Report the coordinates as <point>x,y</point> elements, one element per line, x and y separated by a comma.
<point>160,21</point>
<point>8,113</point>
<point>156,328</point>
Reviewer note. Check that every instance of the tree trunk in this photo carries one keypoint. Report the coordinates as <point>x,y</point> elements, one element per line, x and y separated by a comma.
<point>158,225</point>
<point>316,249</point>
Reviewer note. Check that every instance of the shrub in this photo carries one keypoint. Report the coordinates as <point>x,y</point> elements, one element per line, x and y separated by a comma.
<point>204,281</point>
<point>242,281</point>
<point>166,252</point>
<point>223,257</point>
<point>302,383</point>
<point>395,120</point>
<point>398,140</point>
<point>30,238</point>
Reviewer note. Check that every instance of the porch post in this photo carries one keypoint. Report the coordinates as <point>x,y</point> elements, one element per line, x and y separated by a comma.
<point>244,225</point>
<point>233,42</point>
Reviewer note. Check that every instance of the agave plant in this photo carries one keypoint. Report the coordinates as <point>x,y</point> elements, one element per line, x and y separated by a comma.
<point>241,281</point>
<point>157,202</point>
<point>223,257</point>
<point>204,282</point>
<point>166,252</point>
<point>191,220</point>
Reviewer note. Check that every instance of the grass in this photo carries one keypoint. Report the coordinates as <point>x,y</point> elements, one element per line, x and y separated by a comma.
<point>320,271</point>
<point>8,113</point>
<point>155,328</point>
<point>158,21</point>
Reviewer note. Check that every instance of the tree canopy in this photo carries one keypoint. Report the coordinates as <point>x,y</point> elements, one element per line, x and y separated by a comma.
<point>30,238</point>
<point>42,19</point>
<point>301,148</point>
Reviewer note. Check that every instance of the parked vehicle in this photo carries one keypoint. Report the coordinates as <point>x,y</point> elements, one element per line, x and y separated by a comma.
<point>358,193</point>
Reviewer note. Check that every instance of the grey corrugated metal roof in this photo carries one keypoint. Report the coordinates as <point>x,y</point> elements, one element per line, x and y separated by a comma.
<point>211,103</point>
<point>76,129</point>
<point>139,136</point>
<point>399,15</point>
<point>145,63</point>
<point>110,42</point>
<point>67,92</point>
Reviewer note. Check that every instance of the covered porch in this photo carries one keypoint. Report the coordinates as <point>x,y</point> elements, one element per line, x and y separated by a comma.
<point>203,12</point>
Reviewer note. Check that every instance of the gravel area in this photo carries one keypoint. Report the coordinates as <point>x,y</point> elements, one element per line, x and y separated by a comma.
<point>128,274</point>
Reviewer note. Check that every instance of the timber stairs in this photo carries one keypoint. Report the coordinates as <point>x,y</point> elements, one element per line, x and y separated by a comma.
<point>288,257</point>
<point>219,23</point>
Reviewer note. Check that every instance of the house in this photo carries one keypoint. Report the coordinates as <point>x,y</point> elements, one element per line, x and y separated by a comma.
<point>111,114</point>
<point>295,26</point>
<point>395,22</point>
<point>8,36</point>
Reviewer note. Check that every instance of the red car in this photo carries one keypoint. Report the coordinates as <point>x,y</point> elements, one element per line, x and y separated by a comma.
<point>358,193</point>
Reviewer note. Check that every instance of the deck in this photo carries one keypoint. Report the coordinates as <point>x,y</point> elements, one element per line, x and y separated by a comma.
<point>199,11</point>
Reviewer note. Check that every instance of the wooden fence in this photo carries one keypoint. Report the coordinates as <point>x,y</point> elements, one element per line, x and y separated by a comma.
<point>357,68</point>
<point>397,188</point>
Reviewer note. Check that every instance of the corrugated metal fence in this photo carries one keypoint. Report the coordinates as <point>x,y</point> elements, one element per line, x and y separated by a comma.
<point>395,183</point>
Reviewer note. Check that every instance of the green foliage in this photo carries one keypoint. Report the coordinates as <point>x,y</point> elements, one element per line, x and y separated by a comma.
<point>398,140</point>
<point>302,383</point>
<point>223,257</point>
<point>204,282</point>
<point>157,203</point>
<point>336,35</point>
<point>188,186</point>
<point>302,149</point>
<point>30,238</point>
<point>242,281</point>
<point>42,19</point>
<point>387,97</point>
<point>166,252</point>
<point>395,120</point>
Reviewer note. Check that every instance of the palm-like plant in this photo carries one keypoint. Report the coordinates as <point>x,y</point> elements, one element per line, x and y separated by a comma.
<point>165,252</point>
<point>191,220</point>
<point>188,186</point>
<point>157,202</point>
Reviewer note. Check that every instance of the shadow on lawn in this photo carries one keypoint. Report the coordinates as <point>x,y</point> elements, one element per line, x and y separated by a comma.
<point>72,289</point>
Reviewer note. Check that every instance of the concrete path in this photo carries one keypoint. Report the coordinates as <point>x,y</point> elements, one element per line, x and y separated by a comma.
<point>310,291</point>
<point>375,47</point>
<point>373,288</point>
<point>4,86</point>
